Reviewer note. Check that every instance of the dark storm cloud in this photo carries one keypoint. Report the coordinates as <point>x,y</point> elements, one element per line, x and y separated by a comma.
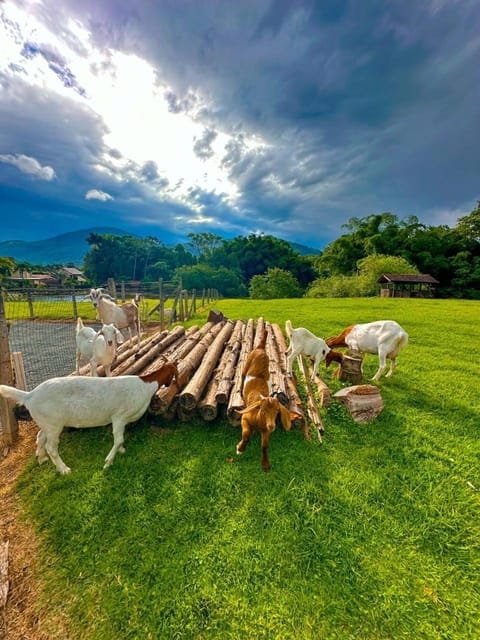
<point>357,107</point>
<point>203,146</point>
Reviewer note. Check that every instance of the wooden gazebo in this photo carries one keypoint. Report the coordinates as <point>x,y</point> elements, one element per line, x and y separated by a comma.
<point>400,285</point>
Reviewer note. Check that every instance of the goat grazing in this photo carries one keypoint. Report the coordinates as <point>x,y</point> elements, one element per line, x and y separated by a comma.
<point>123,316</point>
<point>304,341</point>
<point>261,410</point>
<point>88,402</point>
<point>385,338</point>
<point>98,347</point>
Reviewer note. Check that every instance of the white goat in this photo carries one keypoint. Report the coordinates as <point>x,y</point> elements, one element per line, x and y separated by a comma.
<point>304,341</point>
<point>98,347</point>
<point>88,402</point>
<point>123,316</point>
<point>383,337</point>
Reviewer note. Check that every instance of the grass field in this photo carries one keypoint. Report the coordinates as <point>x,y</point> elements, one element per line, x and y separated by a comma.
<point>374,534</point>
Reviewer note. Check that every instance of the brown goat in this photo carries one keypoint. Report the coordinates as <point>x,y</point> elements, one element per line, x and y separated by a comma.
<point>261,410</point>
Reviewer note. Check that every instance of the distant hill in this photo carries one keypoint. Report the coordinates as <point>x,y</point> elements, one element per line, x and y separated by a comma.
<point>304,250</point>
<point>71,247</point>
<point>62,249</point>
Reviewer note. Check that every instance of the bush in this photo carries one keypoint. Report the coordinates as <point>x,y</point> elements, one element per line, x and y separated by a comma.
<point>276,283</point>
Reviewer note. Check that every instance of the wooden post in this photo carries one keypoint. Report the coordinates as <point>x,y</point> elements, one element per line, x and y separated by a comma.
<point>312,408</point>
<point>7,417</point>
<point>74,305</point>
<point>160,298</point>
<point>20,378</point>
<point>122,289</point>
<point>30,304</point>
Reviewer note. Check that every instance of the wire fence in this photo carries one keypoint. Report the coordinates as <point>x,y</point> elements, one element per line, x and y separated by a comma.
<point>42,323</point>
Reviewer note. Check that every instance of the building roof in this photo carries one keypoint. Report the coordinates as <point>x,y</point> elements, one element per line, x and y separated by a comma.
<point>407,278</point>
<point>73,271</point>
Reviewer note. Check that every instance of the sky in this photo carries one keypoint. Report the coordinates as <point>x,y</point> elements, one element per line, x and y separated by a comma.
<point>169,117</point>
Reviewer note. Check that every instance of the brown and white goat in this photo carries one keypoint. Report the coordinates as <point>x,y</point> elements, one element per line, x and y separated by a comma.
<point>84,401</point>
<point>261,409</point>
<point>123,316</point>
<point>385,338</point>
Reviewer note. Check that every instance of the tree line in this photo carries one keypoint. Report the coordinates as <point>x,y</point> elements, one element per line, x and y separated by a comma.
<point>263,266</point>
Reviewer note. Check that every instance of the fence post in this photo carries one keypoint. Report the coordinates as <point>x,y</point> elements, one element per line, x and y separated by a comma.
<point>74,303</point>
<point>112,288</point>
<point>7,416</point>
<point>122,288</point>
<point>30,303</point>
<point>160,299</point>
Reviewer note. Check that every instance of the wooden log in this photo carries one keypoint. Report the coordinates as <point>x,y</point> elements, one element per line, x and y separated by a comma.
<point>229,362</point>
<point>134,365</point>
<point>190,395</point>
<point>312,407</point>
<point>235,402</point>
<point>278,384</point>
<point>294,401</point>
<point>125,351</point>
<point>173,349</point>
<point>188,360</point>
<point>208,406</point>
<point>363,401</point>
<point>324,392</point>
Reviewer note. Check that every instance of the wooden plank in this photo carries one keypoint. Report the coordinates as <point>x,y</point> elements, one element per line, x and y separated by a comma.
<point>3,574</point>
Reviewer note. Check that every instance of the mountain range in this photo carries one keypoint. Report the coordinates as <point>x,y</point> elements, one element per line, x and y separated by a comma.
<point>70,248</point>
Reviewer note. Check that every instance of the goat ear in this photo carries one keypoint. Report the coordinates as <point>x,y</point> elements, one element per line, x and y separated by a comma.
<point>119,336</point>
<point>285,417</point>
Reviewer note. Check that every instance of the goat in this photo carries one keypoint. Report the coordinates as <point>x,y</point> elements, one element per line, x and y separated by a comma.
<point>261,410</point>
<point>99,347</point>
<point>123,316</point>
<point>304,341</point>
<point>385,338</point>
<point>83,402</point>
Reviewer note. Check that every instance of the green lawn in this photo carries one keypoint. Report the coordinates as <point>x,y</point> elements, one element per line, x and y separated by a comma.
<point>373,534</point>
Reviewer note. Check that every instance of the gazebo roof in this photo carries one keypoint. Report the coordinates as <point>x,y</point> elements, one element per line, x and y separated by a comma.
<point>406,278</point>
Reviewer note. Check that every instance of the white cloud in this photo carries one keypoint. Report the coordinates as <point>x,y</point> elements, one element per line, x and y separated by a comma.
<point>29,165</point>
<point>96,194</point>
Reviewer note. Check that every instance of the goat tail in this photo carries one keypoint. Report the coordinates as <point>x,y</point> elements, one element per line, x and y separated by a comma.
<point>79,324</point>
<point>14,394</point>
<point>288,328</point>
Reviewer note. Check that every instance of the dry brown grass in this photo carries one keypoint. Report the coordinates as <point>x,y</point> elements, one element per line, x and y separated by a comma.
<point>22,617</point>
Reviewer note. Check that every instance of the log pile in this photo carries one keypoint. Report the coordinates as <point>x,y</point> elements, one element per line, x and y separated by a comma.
<point>210,361</point>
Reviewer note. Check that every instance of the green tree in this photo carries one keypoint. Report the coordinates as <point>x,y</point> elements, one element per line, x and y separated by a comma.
<point>204,244</point>
<point>255,254</point>
<point>7,267</point>
<point>364,281</point>
<point>202,276</point>
<point>276,283</point>
<point>469,225</point>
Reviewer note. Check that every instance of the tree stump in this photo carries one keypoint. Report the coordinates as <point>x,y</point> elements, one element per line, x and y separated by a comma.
<point>350,370</point>
<point>364,401</point>
<point>215,316</point>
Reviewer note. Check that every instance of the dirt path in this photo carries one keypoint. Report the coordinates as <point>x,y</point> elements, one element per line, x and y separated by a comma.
<point>21,619</point>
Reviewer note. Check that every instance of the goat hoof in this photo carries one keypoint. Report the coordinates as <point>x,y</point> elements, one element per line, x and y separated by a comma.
<point>239,453</point>
<point>65,471</point>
